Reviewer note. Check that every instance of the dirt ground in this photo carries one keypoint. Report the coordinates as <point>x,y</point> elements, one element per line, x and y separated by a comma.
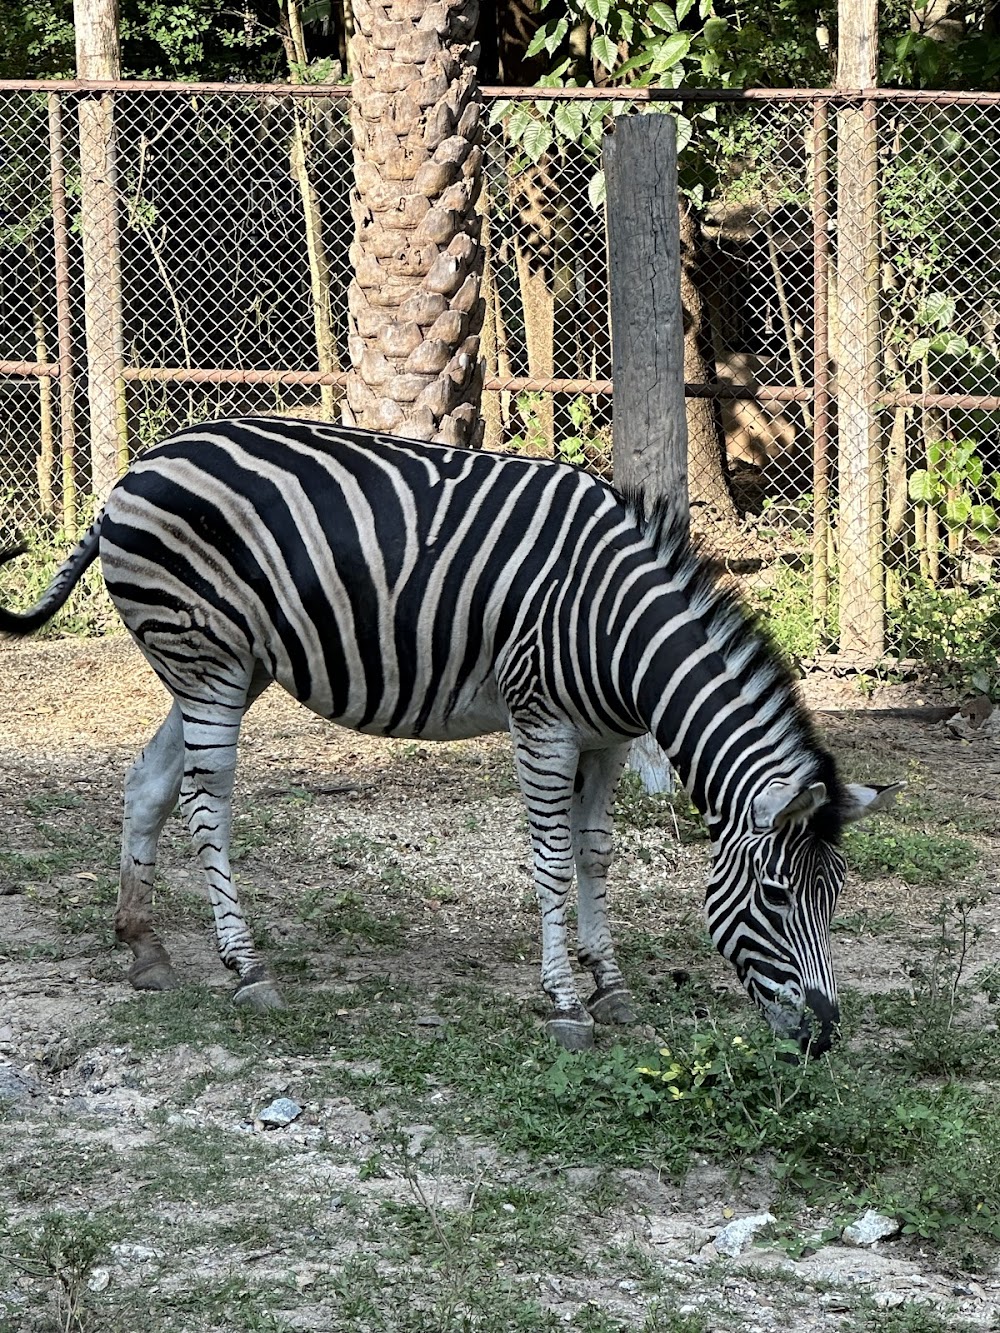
<point>390,828</point>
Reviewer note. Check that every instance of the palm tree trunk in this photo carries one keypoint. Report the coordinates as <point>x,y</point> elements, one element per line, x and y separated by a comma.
<point>415,305</point>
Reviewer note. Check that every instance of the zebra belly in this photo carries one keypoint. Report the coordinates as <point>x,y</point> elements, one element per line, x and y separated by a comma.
<point>476,711</point>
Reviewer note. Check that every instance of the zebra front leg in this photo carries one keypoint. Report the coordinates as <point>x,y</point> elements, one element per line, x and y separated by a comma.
<point>152,786</point>
<point>545,769</point>
<point>210,737</point>
<point>597,777</point>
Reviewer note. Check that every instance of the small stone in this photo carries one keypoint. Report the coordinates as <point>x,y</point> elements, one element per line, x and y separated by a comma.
<point>737,1236</point>
<point>282,1111</point>
<point>139,1254</point>
<point>99,1279</point>
<point>430,1021</point>
<point>888,1300</point>
<point>869,1229</point>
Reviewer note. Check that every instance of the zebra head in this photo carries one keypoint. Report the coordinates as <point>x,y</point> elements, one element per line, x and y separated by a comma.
<point>771,896</point>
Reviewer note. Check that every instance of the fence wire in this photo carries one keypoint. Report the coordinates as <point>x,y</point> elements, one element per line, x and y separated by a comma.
<point>840,273</point>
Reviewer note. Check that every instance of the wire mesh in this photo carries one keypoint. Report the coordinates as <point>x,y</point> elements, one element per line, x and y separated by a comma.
<point>840,278</point>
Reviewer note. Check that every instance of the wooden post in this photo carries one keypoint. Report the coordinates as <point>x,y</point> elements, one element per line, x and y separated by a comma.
<point>862,629</point>
<point>647,334</point>
<point>98,57</point>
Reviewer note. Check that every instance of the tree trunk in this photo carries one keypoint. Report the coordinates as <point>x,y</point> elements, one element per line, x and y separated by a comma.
<point>414,301</point>
<point>707,485</point>
<point>98,57</point>
<point>862,630</point>
<point>293,39</point>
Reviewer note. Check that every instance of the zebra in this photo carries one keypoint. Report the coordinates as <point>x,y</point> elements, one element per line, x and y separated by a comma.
<point>409,589</point>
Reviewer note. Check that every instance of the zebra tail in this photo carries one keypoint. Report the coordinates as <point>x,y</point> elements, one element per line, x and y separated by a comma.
<point>64,581</point>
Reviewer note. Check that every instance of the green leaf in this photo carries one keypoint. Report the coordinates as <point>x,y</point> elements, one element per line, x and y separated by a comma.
<point>685,130</point>
<point>518,121</point>
<point>684,8</point>
<point>957,511</point>
<point>597,191</point>
<point>673,49</point>
<point>598,11</point>
<point>923,488</point>
<point>918,349</point>
<point>662,16</point>
<point>568,119</point>
<point>984,518</point>
<point>950,344</point>
<point>559,31</point>
<point>605,51</point>
<point>537,42</point>
<point>714,31</point>
<point>638,61</point>
<point>537,138</point>
<point>938,309</point>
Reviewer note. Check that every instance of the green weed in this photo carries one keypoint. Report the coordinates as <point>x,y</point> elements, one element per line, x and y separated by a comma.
<point>916,858</point>
<point>58,1251</point>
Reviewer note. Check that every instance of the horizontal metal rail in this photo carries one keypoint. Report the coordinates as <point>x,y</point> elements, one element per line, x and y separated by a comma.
<point>763,393</point>
<point>497,91</point>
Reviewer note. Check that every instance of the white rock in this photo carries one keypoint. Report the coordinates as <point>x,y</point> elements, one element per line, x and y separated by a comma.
<point>99,1279</point>
<point>734,1238</point>
<point>889,1300</point>
<point>677,1238</point>
<point>282,1111</point>
<point>870,1228</point>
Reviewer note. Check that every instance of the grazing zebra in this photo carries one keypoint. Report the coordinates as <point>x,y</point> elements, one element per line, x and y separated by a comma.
<point>407,589</point>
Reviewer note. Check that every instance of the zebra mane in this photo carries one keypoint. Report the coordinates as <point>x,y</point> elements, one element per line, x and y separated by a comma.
<point>747,648</point>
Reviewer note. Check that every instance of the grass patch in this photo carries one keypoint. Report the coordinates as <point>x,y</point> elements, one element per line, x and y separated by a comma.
<point>916,858</point>
<point>639,809</point>
<point>907,1318</point>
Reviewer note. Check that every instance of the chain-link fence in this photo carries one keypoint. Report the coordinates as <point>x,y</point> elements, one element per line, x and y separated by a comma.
<point>839,270</point>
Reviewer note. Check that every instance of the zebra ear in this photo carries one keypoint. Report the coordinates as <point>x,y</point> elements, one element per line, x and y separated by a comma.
<point>866,800</point>
<point>780,803</point>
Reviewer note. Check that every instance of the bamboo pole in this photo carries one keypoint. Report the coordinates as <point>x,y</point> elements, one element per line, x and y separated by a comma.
<point>312,213</point>
<point>821,373</point>
<point>64,317</point>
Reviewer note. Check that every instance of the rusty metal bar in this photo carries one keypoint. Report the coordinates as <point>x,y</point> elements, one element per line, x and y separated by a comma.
<point>821,367</point>
<point>29,368</point>
<point>337,91</point>
<point>64,314</point>
<point>983,402</point>
<point>523,384</point>
<point>499,92</point>
<point>163,374</point>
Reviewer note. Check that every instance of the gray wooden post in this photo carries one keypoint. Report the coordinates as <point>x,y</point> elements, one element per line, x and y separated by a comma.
<point>647,334</point>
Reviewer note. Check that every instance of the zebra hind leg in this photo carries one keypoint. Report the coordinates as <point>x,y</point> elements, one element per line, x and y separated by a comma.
<point>152,786</point>
<point>545,767</point>
<point>597,777</point>
<point>211,732</point>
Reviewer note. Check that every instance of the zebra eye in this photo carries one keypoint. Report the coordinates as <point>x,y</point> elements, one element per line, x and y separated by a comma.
<point>775,895</point>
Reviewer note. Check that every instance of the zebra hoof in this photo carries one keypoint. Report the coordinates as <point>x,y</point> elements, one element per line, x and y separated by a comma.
<point>570,1032</point>
<point>611,1006</point>
<point>153,974</point>
<point>259,995</point>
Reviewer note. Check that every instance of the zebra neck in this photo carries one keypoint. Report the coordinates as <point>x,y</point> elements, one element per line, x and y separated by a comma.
<point>726,713</point>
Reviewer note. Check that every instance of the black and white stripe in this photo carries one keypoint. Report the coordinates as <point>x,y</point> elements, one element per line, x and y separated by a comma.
<point>406,589</point>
